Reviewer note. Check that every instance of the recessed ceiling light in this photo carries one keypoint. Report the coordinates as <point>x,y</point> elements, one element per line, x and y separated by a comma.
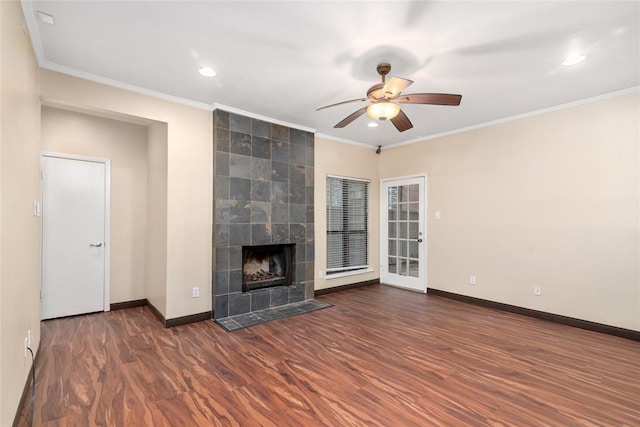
<point>207,72</point>
<point>372,125</point>
<point>573,59</point>
<point>46,18</point>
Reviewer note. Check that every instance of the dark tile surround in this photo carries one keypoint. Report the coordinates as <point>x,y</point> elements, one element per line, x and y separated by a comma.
<point>263,194</point>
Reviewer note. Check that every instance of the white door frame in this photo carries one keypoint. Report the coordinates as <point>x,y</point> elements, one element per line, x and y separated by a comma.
<point>383,203</point>
<point>107,217</point>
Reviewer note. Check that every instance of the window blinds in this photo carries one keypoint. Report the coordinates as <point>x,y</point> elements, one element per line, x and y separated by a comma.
<point>347,224</point>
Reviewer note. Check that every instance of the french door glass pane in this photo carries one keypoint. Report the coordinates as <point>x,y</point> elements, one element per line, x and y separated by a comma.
<point>392,230</point>
<point>412,193</point>
<point>403,209</point>
<point>402,230</point>
<point>413,230</point>
<point>402,266</point>
<point>393,196</point>
<point>413,249</point>
<point>392,203</point>
<point>414,269</point>
<point>392,265</point>
<point>414,211</point>
<point>403,248</point>
<point>392,248</point>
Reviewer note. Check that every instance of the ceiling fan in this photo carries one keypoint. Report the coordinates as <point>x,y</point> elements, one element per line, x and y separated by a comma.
<point>384,99</point>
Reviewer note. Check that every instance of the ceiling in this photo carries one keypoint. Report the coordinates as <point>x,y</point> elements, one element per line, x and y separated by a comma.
<point>283,59</point>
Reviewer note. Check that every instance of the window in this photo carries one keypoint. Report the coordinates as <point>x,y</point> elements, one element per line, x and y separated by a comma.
<point>347,225</point>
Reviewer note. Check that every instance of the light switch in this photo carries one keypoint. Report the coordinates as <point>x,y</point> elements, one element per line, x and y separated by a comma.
<point>437,215</point>
<point>36,208</point>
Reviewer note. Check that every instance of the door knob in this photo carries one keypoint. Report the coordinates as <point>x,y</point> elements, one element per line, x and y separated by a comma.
<point>95,245</point>
<point>419,240</point>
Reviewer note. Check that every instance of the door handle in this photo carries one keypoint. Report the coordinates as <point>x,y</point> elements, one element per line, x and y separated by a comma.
<point>419,240</point>
<point>95,245</point>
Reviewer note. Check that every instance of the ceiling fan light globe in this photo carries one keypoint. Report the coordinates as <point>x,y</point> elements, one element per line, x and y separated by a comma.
<point>383,110</point>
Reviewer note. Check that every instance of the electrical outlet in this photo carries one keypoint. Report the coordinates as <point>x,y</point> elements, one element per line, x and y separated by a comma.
<point>472,280</point>
<point>29,338</point>
<point>195,292</point>
<point>25,346</point>
<point>320,274</point>
<point>537,290</point>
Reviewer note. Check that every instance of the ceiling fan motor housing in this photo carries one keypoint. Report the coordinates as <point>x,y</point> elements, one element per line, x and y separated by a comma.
<point>383,69</point>
<point>376,91</point>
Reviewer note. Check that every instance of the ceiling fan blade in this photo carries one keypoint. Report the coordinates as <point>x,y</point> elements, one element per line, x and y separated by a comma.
<point>430,98</point>
<point>402,122</point>
<point>395,85</point>
<point>351,117</point>
<point>343,102</point>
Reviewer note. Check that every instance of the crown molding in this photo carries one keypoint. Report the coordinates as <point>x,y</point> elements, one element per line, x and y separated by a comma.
<point>622,92</point>
<point>124,86</point>
<point>345,141</point>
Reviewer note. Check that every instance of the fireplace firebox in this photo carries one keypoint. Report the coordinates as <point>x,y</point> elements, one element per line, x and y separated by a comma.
<point>265,266</point>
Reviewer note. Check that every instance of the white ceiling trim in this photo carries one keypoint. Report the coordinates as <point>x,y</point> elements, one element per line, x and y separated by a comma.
<point>519,116</point>
<point>125,86</point>
<point>344,140</point>
<point>98,112</point>
<point>199,105</point>
<point>233,110</point>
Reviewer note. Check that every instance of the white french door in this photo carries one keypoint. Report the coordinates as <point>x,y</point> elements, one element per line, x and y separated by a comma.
<point>402,233</point>
<point>74,236</point>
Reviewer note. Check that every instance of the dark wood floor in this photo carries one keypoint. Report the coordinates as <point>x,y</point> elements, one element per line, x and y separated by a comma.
<point>380,356</point>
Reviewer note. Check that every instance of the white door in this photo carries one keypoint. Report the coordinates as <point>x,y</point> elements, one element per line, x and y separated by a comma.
<point>402,233</point>
<point>73,236</point>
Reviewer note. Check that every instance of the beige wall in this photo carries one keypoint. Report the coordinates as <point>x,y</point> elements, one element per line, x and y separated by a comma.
<point>125,144</point>
<point>189,180</point>
<point>156,266</point>
<point>334,158</point>
<point>19,187</point>
<point>550,200</point>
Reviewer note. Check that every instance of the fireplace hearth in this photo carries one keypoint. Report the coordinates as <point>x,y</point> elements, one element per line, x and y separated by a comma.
<point>265,266</point>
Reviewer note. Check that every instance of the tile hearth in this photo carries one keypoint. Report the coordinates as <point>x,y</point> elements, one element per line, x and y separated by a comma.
<point>241,321</point>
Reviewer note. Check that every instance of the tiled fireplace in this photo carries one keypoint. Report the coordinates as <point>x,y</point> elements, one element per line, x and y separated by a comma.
<point>263,243</point>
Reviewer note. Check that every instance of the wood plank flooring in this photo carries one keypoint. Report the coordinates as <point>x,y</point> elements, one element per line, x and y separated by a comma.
<point>380,357</point>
